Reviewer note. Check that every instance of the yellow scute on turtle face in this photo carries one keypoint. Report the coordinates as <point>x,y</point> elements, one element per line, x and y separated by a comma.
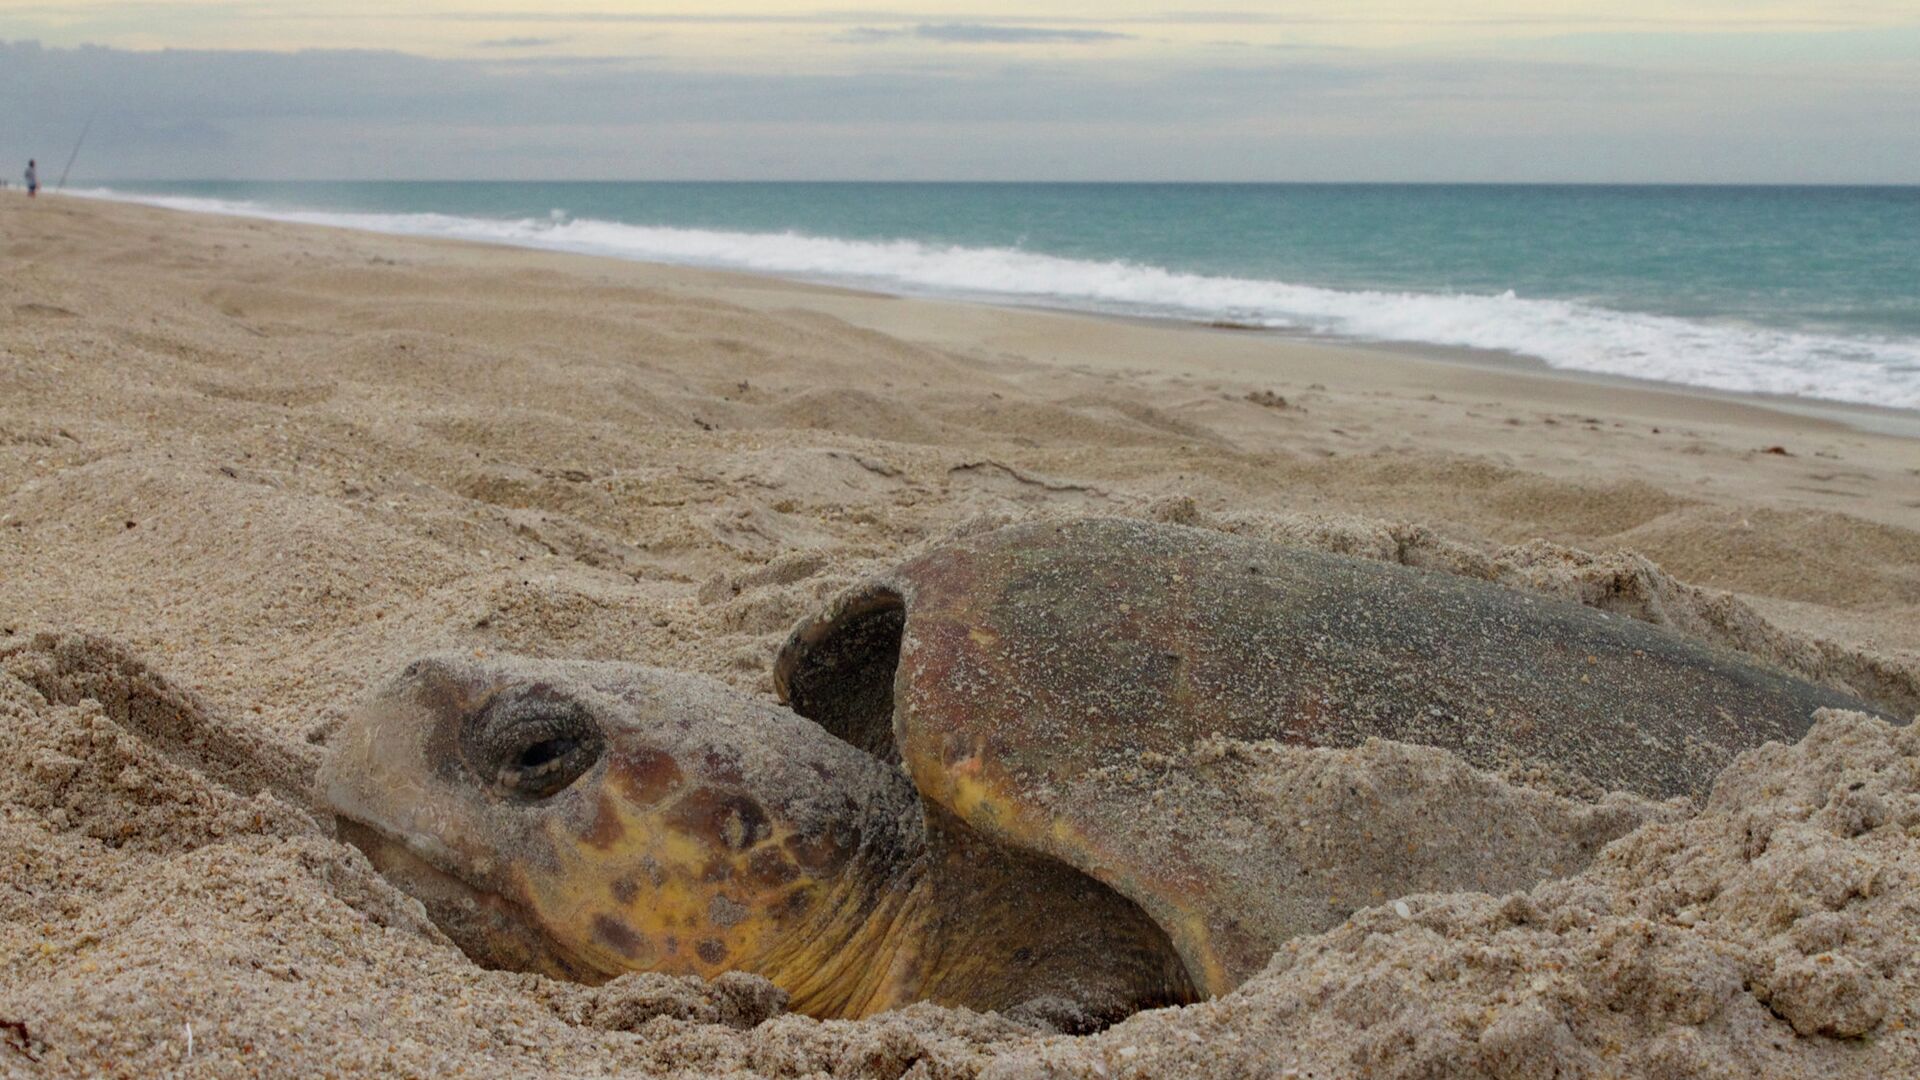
<point>641,891</point>
<point>734,894</point>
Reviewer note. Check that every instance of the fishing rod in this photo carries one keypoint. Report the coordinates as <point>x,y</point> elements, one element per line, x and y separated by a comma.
<point>84,128</point>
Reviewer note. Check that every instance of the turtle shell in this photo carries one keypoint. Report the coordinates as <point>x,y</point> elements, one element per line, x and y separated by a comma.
<point>1003,669</point>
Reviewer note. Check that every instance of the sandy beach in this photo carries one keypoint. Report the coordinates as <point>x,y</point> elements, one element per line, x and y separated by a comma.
<point>250,469</point>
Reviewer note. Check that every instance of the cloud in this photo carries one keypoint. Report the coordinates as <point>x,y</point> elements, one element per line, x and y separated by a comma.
<point>963,114</point>
<point>1471,15</point>
<point>981,34</point>
<point>520,42</point>
<point>673,18</point>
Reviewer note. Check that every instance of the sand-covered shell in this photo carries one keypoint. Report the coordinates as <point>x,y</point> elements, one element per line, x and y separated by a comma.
<point>1010,670</point>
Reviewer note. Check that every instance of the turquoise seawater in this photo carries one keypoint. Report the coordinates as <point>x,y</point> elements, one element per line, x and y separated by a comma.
<point>1811,291</point>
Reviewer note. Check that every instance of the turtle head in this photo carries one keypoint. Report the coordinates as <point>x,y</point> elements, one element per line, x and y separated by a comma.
<point>585,819</point>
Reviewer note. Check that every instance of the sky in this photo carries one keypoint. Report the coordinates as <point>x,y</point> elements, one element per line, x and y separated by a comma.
<point>1391,90</point>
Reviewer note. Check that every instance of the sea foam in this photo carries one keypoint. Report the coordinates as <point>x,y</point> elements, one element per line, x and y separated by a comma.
<point>1561,333</point>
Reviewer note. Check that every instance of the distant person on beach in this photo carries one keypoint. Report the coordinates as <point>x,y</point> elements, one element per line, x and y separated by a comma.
<point>33,178</point>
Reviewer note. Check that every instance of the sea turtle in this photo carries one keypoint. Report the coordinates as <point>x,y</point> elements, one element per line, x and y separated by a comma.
<point>927,822</point>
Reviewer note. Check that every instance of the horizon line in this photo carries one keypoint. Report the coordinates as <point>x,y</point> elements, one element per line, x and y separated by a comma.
<point>1010,182</point>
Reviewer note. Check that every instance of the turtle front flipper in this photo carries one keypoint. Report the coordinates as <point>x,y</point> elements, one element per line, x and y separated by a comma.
<point>1009,927</point>
<point>1112,926</point>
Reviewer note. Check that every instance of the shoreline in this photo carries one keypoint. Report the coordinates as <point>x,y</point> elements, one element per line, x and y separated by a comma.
<point>1883,420</point>
<point>1877,419</point>
<point>1874,419</point>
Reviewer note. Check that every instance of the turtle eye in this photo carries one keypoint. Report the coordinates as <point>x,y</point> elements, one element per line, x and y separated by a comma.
<point>531,744</point>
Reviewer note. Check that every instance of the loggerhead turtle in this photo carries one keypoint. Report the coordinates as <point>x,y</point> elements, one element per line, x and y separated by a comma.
<point>928,827</point>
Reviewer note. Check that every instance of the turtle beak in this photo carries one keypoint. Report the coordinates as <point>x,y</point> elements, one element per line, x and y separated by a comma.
<point>493,931</point>
<point>386,774</point>
<point>380,769</point>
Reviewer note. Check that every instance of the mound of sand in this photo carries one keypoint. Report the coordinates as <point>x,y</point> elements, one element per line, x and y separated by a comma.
<point>1772,935</point>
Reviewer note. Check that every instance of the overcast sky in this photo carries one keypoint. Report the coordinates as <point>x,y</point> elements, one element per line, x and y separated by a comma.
<point>1627,90</point>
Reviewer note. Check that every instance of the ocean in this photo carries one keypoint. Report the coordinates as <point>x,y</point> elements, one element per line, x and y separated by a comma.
<point>1804,291</point>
